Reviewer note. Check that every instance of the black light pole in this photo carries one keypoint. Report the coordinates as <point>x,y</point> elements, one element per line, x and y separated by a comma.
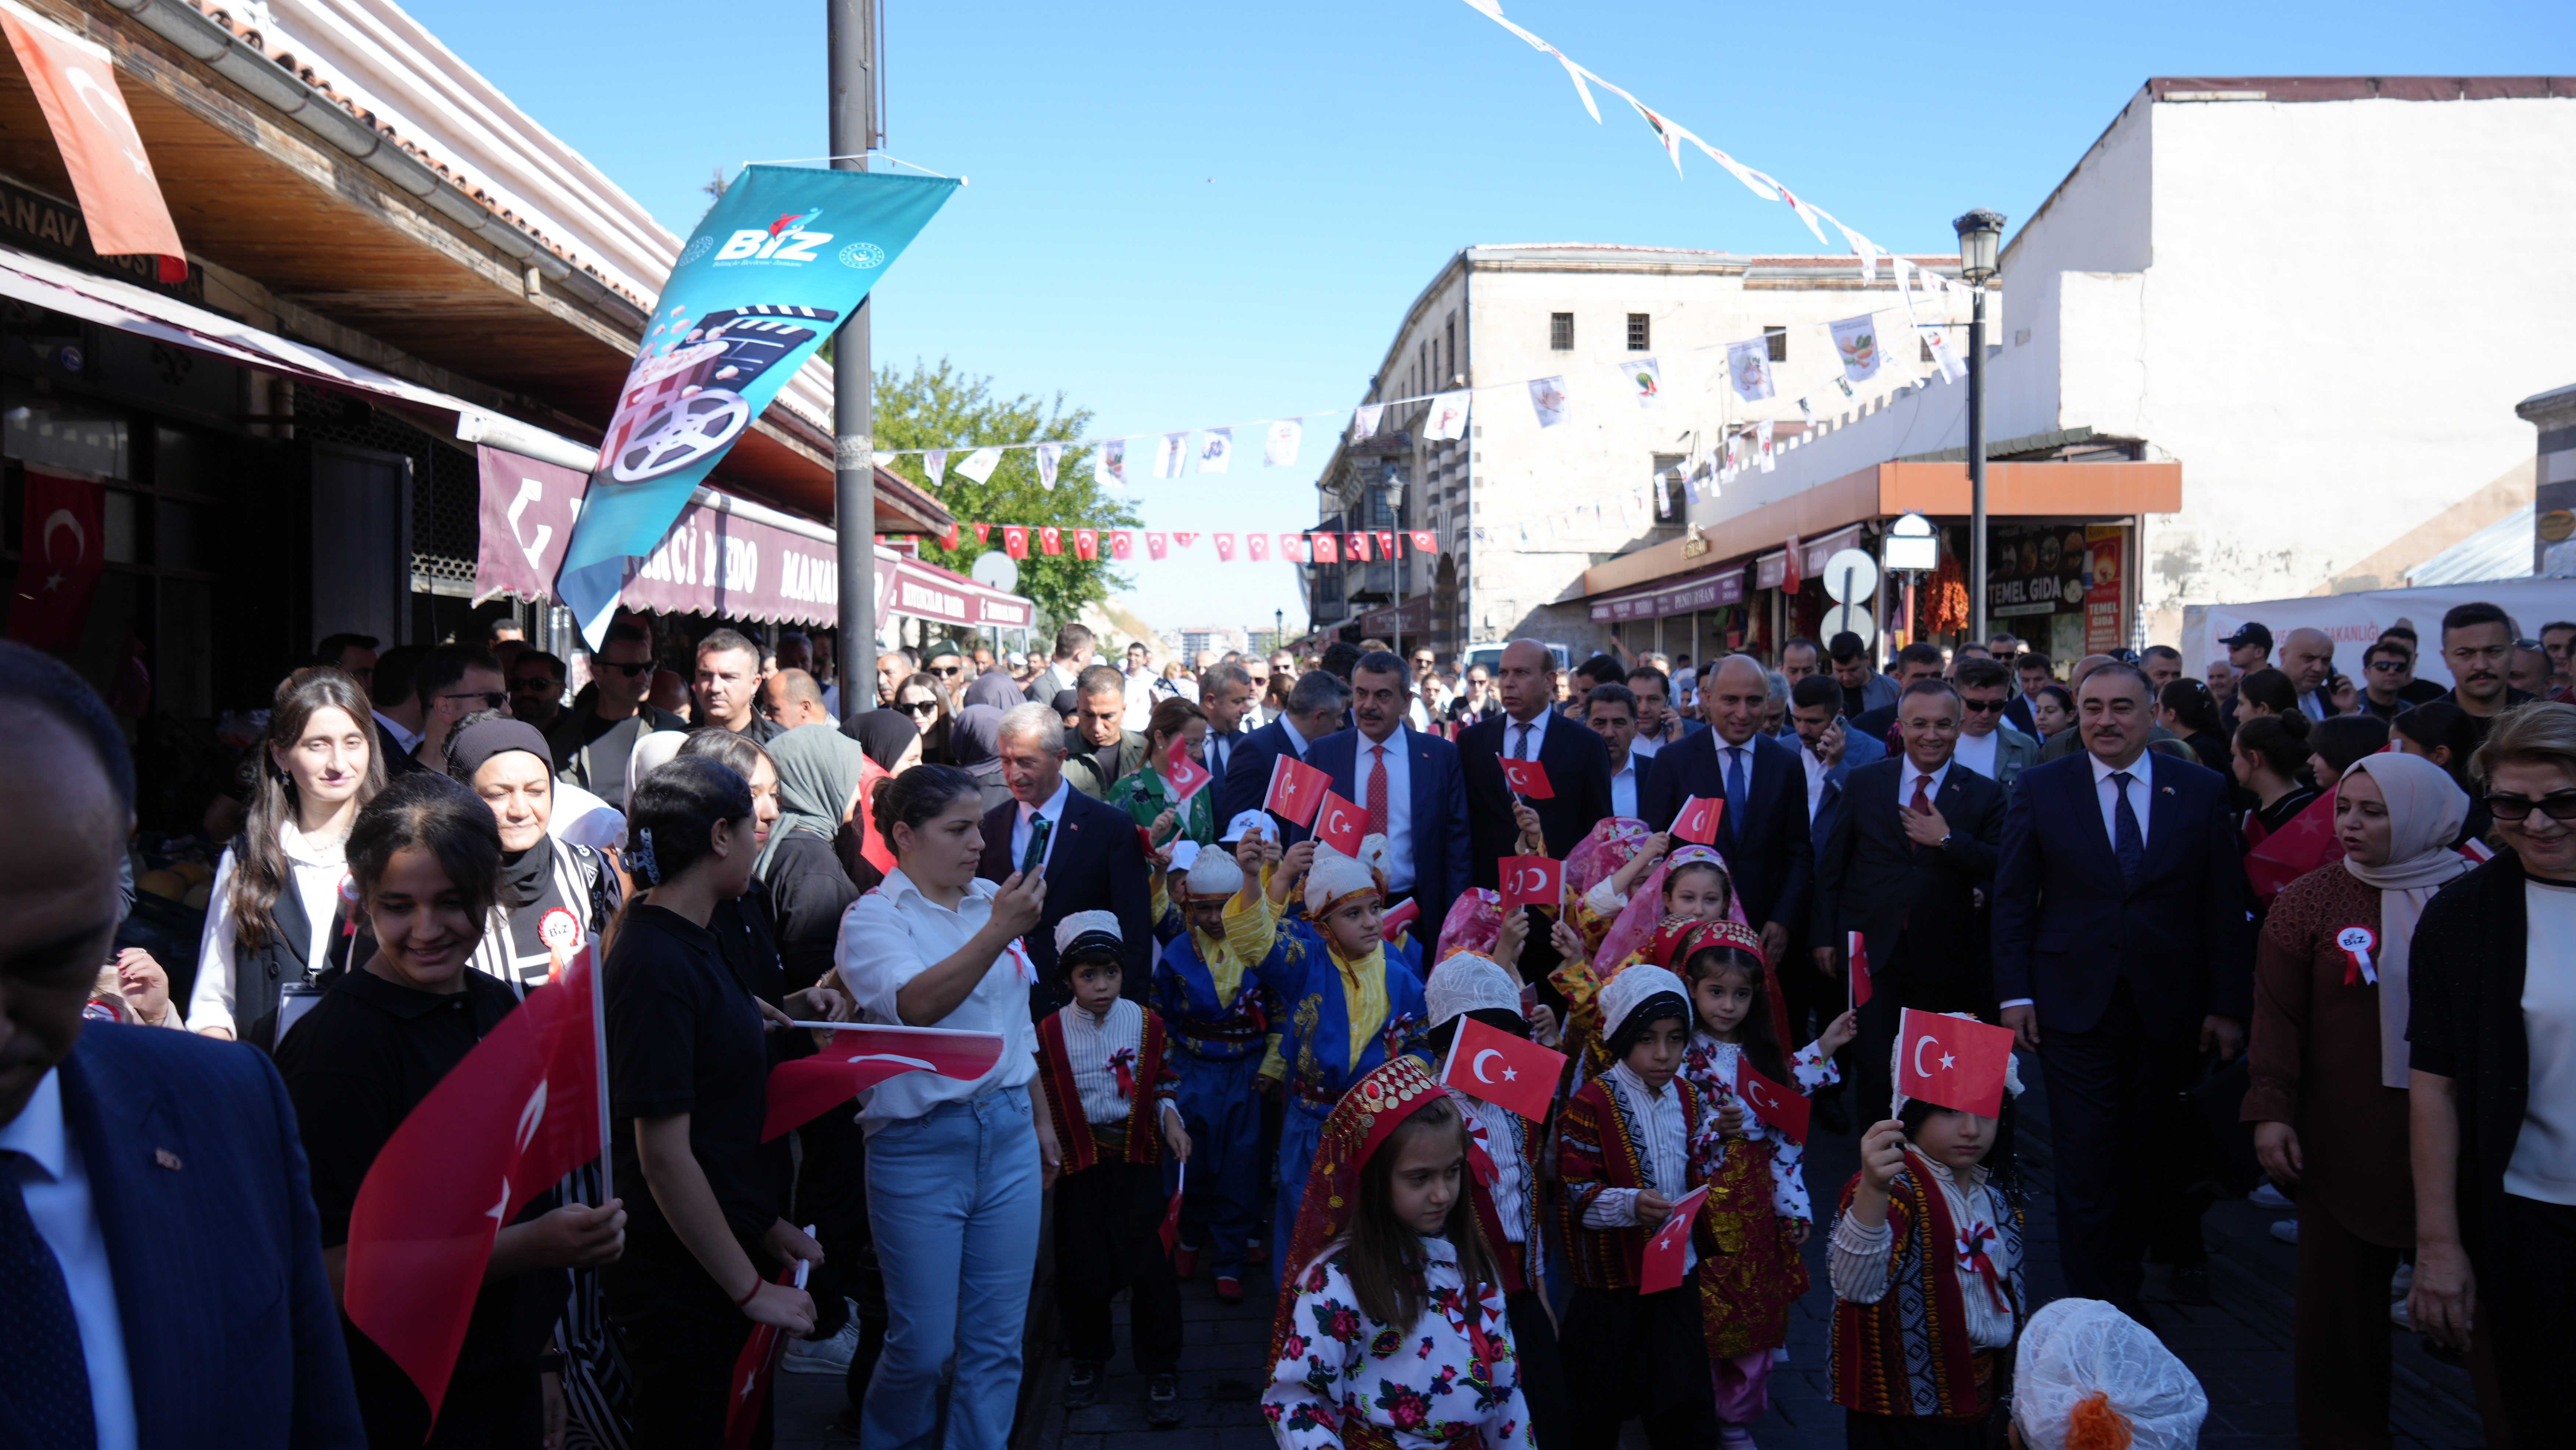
<point>850,36</point>
<point>1979,231</point>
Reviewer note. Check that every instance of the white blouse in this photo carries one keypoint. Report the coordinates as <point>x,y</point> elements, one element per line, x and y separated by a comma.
<point>318,868</point>
<point>893,934</point>
<point>2543,1166</point>
<point>1862,1260</point>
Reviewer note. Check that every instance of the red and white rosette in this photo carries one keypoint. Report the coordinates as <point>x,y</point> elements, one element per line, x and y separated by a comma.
<point>2358,942</point>
<point>560,930</point>
<point>349,903</point>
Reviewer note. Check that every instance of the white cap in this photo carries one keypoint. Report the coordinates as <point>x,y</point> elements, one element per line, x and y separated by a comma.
<point>2074,1349</point>
<point>1896,1069</point>
<point>1374,855</point>
<point>1213,874</point>
<point>1333,877</point>
<point>1629,990</point>
<point>1248,821</point>
<point>1085,923</point>
<point>1184,852</point>
<point>1466,982</point>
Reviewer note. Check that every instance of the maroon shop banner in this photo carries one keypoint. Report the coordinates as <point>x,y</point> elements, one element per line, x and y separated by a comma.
<point>1413,616</point>
<point>1713,591</point>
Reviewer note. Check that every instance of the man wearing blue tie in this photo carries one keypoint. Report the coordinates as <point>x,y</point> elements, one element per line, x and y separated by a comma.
<point>1764,833</point>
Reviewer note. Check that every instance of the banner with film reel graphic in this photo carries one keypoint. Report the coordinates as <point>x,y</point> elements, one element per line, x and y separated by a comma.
<point>777,263</point>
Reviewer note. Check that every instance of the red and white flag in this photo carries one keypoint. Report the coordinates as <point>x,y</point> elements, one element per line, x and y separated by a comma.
<point>1856,959</point>
<point>1258,547</point>
<point>1225,547</point>
<point>1297,790</point>
<point>1662,1266</point>
<point>1122,544</point>
<point>74,80</point>
<point>1086,543</point>
<point>1952,1061</point>
<point>1530,881</point>
<point>1397,918</point>
<point>1359,547</point>
<point>60,557</point>
<point>1184,540</point>
<point>1015,541</point>
<point>1426,541</point>
<point>1340,824</point>
<point>1050,540</point>
<point>1697,820</point>
<point>1385,543</point>
<point>860,1056</point>
<point>948,540</point>
<point>1292,547</point>
<point>1527,777</point>
<point>1784,1108</point>
<point>983,533</point>
<point>1185,776</point>
<point>1489,1063</point>
<point>1328,548</point>
<point>754,1367</point>
<point>1157,544</point>
<point>1170,1232</point>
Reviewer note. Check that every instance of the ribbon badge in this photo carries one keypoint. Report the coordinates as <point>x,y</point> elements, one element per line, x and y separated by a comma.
<point>349,903</point>
<point>560,930</point>
<point>1122,1066</point>
<point>1973,1258</point>
<point>2357,943</point>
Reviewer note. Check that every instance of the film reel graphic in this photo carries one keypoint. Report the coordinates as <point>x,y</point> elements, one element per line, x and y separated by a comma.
<point>687,406</point>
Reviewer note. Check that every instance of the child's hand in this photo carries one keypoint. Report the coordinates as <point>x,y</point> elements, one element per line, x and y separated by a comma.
<point>1839,1033</point>
<point>1252,852</point>
<point>1164,822</point>
<point>1652,1208</point>
<point>1568,941</point>
<point>1514,935</point>
<point>1797,1231</point>
<point>1655,848</point>
<point>1525,818</point>
<point>1882,1154</point>
<point>1730,1119</point>
<point>1543,1029</point>
<point>1176,1135</point>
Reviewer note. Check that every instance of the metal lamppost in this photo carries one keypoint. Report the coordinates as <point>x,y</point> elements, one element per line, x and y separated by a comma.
<point>1278,630</point>
<point>850,38</point>
<point>1980,232</point>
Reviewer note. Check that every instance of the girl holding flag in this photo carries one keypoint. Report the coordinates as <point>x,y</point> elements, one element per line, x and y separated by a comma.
<point>1148,794</point>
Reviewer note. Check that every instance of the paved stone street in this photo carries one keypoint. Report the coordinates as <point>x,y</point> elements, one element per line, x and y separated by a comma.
<point>2239,1346</point>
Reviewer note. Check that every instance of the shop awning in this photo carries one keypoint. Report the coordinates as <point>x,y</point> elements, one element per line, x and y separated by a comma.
<point>1413,616</point>
<point>1712,590</point>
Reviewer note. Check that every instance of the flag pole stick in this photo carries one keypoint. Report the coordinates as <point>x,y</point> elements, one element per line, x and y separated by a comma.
<point>599,1051</point>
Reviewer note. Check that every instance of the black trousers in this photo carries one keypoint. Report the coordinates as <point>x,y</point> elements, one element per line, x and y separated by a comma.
<point>1642,1356</point>
<point>832,1195</point>
<point>2111,1123</point>
<point>682,1337</point>
<point>1908,1432</point>
<point>1107,1222</point>
<point>2525,1287</point>
<point>495,1410</point>
<point>1894,986</point>
<point>1542,1372</point>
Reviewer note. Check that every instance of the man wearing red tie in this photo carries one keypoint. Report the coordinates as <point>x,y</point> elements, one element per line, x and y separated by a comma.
<point>1410,785</point>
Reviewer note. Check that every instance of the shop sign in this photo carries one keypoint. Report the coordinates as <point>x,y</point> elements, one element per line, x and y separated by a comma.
<point>1714,591</point>
<point>49,228</point>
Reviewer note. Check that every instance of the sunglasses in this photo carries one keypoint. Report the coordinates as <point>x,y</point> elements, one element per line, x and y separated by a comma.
<point>920,707</point>
<point>2558,806</point>
<point>492,699</point>
<point>536,684</point>
<point>949,673</point>
<point>629,671</point>
<point>1982,707</point>
<point>2388,667</point>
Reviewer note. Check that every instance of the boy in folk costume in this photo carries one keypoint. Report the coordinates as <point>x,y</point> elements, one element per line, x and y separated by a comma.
<point>1348,1009</point>
<point>1927,1273</point>
<point>1110,1092</point>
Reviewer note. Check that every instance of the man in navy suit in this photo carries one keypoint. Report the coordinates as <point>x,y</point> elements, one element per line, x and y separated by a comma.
<point>160,1259</point>
<point>1226,694</point>
<point>1090,858</point>
<point>2123,951</point>
<point>1315,706</point>
<point>1408,784</point>
<point>1530,728</point>
<point>1763,833</point>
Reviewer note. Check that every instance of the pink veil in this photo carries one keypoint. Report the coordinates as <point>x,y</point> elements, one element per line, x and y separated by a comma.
<point>1474,924</point>
<point>1645,909</point>
<point>1613,842</point>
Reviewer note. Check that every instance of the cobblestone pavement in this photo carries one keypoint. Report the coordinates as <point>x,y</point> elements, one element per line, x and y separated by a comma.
<point>2239,1346</point>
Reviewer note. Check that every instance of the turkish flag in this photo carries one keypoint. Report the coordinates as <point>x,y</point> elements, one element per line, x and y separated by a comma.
<point>518,1113</point>
<point>1386,542</point>
<point>1341,825</point>
<point>1359,548</point>
<point>1783,1108</point>
<point>983,533</point>
<point>1258,546</point>
<point>1050,539</point>
<point>1952,1061</point>
<point>1856,955</point>
<point>1292,547</point>
<point>1489,1063</point>
<point>860,1056</point>
<point>1015,541</point>
<point>1426,541</point>
<point>1122,544</point>
<point>1697,820</point>
<point>1157,544</point>
<point>1392,924</point>
<point>1793,566</point>
<point>1170,1232</point>
<point>1184,540</point>
<point>2304,843</point>
<point>1225,547</point>
<point>753,1369</point>
<point>1086,543</point>
<point>1662,1266</point>
<point>948,540</point>
<point>1531,881</point>
<point>75,84</point>
<point>1185,776</point>
<point>61,553</point>
<point>1527,777</point>
<point>1297,790</point>
<point>1327,547</point>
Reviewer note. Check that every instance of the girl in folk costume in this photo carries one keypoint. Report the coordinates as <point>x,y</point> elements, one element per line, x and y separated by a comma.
<point>1624,1155</point>
<point>1689,885</point>
<point>1391,1332</point>
<point>1348,1010</point>
<point>1927,1273</point>
<point>1223,1024</point>
<point>1506,1188</point>
<point>1615,844</point>
<point>1757,1202</point>
<point>1109,1089</point>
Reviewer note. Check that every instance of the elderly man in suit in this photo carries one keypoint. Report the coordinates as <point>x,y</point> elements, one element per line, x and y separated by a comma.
<point>1408,784</point>
<point>1086,849</point>
<point>1915,838</point>
<point>1764,832</point>
<point>1315,707</point>
<point>1987,745</point>
<point>2123,951</point>
<point>1530,728</point>
<point>160,1258</point>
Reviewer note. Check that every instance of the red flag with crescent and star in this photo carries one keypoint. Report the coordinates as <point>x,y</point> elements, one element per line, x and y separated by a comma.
<point>1697,820</point>
<point>1185,776</point>
<point>1782,1107</point>
<point>1531,881</point>
<point>1856,963</point>
<point>1050,539</point>
<point>1225,547</point>
<point>1489,1063</point>
<point>61,555</point>
<point>1121,543</point>
<point>754,1367</point>
<point>1426,541</point>
<point>983,533</point>
<point>1661,1268</point>
<point>1340,824</point>
<point>1328,548</point>
<point>1527,777</point>
<point>859,1057</point>
<point>1952,1061</point>
<point>1296,790</point>
<point>1086,543</point>
<point>1015,541</point>
<point>1257,547</point>
<point>1157,543</point>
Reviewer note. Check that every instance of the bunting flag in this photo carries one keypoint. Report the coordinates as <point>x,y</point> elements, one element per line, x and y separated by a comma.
<point>1216,450</point>
<point>984,533</point>
<point>1050,540</point>
<point>1358,545</point>
<point>1805,212</point>
<point>1171,455</point>
<point>1225,548</point>
<point>1015,541</point>
<point>1447,417</point>
<point>1328,548</point>
<point>1086,543</point>
<point>1364,420</point>
<point>1109,463</point>
<point>1748,366</point>
<point>74,81</point>
<point>1664,133</point>
<point>1122,544</point>
<point>1157,545</point>
<point>1762,430</point>
<point>934,461</point>
<point>63,553</point>
<point>1292,547</point>
<point>1547,397</point>
<point>1184,540</point>
<point>1806,412</point>
<point>1279,448</point>
<point>948,540</point>
<point>979,465</point>
<point>1648,377</point>
<point>1049,455</point>
<point>1426,541</point>
<point>1952,369</point>
<point>1258,547</point>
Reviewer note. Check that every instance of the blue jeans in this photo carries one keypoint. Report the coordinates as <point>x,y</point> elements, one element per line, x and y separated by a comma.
<point>953,1199</point>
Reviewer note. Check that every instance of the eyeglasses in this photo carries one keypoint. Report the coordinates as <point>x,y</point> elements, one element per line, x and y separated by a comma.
<point>2388,667</point>
<point>492,699</point>
<point>1982,707</point>
<point>920,707</point>
<point>629,671</point>
<point>949,673</point>
<point>2558,806</point>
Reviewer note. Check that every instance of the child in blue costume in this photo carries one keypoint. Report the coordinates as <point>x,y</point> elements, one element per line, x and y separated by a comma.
<point>1351,1002</point>
<point>1225,1041</point>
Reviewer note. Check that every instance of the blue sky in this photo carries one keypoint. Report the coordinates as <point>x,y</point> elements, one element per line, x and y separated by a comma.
<point>1183,215</point>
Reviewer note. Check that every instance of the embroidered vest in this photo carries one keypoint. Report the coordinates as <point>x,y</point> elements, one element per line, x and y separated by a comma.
<point>1064,1096</point>
<point>1908,1354</point>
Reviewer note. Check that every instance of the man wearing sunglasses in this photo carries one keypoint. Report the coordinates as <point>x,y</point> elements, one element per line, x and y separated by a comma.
<point>1987,745</point>
<point>536,688</point>
<point>591,745</point>
<point>454,681</point>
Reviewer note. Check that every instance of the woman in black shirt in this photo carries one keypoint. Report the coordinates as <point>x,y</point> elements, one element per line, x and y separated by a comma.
<point>2271,752</point>
<point>426,858</point>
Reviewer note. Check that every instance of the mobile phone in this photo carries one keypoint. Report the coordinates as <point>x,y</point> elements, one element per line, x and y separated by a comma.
<point>1036,856</point>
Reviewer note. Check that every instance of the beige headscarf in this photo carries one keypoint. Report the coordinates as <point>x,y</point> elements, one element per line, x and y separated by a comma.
<point>2425,812</point>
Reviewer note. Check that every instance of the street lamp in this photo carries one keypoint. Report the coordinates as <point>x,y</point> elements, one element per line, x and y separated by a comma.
<point>1278,630</point>
<point>1979,233</point>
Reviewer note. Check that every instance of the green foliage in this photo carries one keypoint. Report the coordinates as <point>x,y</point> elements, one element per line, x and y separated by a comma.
<point>941,407</point>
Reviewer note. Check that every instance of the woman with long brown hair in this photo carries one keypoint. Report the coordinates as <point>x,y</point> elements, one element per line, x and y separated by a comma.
<point>1147,796</point>
<point>279,903</point>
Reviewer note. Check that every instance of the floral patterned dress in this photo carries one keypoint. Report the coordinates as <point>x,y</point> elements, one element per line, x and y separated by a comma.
<point>1345,1380</point>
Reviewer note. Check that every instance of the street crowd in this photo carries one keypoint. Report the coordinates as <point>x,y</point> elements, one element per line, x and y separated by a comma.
<point>2280,929</point>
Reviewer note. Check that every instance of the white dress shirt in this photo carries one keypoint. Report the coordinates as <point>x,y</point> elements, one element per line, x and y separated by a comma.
<point>1817,772</point>
<point>55,1184</point>
<point>2313,705</point>
<point>1623,786</point>
<point>2141,776</point>
<point>1089,1045</point>
<point>409,740</point>
<point>1858,1258</point>
<point>1053,810</point>
<point>1399,800</point>
<point>1978,752</point>
<point>1497,1131</point>
<point>317,869</point>
<point>1537,726</point>
<point>1644,747</point>
<point>1910,773</point>
<point>1664,1154</point>
<point>1296,742</point>
<point>894,934</point>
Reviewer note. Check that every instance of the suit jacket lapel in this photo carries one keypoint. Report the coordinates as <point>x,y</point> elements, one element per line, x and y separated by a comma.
<point>2164,811</point>
<point>132,1188</point>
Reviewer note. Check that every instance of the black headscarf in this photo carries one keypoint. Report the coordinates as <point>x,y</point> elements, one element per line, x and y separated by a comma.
<point>995,689</point>
<point>884,734</point>
<point>479,742</point>
<point>974,737</point>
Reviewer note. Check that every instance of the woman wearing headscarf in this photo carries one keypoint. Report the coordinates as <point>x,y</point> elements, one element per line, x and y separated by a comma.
<point>976,742</point>
<point>888,736</point>
<point>2328,1098</point>
<point>994,689</point>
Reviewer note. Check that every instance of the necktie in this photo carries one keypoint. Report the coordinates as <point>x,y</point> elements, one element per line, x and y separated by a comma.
<point>2127,841</point>
<point>1921,805</point>
<point>1520,742</point>
<point>1216,755</point>
<point>1735,784</point>
<point>1377,791</point>
<point>44,1377</point>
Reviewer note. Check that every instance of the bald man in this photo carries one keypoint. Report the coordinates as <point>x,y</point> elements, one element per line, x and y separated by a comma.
<point>1763,832</point>
<point>791,698</point>
<point>2307,657</point>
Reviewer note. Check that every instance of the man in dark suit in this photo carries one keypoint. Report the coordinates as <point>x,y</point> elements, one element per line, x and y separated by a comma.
<point>1914,662</point>
<point>2034,671</point>
<point>1090,855</point>
<point>1408,784</point>
<point>1315,706</point>
<point>2123,951</point>
<point>1226,694</point>
<point>160,1259</point>
<point>1763,833</point>
<point>1913,839</point>
<point>1529,728</point>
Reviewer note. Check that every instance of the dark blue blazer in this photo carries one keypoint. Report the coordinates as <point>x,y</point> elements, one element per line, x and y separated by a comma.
<point>1578,771</point>
<point>1769,847</point>
<point>1857,752</point>
<point>197,1179</point>
<point>1439,800</point>
<point>1095,864</point>
<point>2067,929</point>
<point>1247,775</point>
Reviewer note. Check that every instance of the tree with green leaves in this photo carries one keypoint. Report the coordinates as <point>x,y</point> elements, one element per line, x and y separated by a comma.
<point>942,407</point>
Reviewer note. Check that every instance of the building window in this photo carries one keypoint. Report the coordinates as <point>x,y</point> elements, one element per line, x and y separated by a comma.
<point>1641,336</point>
<point>1671,503</point>
<point>1449,332</point>
<point>1778,337</point>
<point>1560,331</point>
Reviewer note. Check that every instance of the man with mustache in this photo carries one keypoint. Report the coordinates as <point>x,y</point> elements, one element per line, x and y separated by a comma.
<point>2477,644</point>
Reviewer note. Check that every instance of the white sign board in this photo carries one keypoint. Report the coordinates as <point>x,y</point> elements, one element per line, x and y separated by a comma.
<point>2354,621</point>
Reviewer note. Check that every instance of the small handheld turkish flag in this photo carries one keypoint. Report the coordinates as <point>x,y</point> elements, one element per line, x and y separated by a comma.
<point>861,1056</point>
<point>1170,1232</point>
<point>753,1368</point>
<point>1296,790</point>
<point>1340,824</point>
<point>1952,1061</point>
<point>1856,953</point>
<point>1698,818</point>
<point>1527,777</point>
<point>1489,1063</point>
<point>1185,776</point>
<point>1393,923</point>
<point>1783,1108</point>
<point>1531,881</point>
<point>1662,1268</point>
